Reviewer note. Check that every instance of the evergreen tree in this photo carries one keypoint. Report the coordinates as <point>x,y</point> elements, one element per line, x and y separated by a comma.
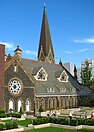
<point>40,110</point>
<point>86,74</point>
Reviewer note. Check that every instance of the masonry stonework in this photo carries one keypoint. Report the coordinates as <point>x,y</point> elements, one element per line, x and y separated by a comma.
<point>2,62</point>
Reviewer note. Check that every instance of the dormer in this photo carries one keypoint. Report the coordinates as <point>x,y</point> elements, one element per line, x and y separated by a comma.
<point>40,74</point>
<point>61,76</point>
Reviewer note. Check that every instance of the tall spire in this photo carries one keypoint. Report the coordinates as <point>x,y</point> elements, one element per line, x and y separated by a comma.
<point>45,51</point>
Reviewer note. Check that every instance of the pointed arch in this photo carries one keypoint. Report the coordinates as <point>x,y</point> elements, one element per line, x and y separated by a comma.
<point>66,102</point>
<point>50,103</point>
<point>54,103</point>
<point>20,104</point>
<point>11,104</point>
<point>59,102</point>
<point>27,105</point>
<point>63,102</point>
<point>37,103</point>
<point>43,103</point>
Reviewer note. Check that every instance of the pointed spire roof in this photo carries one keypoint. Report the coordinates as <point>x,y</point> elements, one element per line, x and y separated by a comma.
<point>45,38</point>
<point>60,63</point>
<point>75,72</point>
<point>17,49</point>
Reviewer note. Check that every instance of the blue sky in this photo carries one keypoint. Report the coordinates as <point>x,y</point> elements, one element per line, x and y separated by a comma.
<point>71,26</point>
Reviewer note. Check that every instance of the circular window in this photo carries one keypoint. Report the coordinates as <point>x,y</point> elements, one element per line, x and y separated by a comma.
<point>15,86</point>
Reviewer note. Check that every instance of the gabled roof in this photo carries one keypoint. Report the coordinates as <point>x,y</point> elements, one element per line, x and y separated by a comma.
<point>13,60</point>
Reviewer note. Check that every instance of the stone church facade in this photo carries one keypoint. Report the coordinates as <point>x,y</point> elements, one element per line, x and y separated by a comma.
<point>33,83</point>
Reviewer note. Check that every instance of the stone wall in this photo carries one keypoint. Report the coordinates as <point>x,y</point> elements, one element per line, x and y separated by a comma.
<point>2,61</point>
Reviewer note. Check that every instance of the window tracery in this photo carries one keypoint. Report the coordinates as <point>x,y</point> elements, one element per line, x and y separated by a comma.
<point>63,77</point>
<point>41,75</point>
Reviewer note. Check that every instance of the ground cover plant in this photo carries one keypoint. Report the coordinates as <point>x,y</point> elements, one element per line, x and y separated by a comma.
<point>53,129</point>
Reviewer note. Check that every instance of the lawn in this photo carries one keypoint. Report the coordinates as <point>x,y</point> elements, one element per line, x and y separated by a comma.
<point>53,129</point>
<point>22,123</point>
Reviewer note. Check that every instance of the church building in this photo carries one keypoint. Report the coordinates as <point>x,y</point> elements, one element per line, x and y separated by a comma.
<point>29,84</point>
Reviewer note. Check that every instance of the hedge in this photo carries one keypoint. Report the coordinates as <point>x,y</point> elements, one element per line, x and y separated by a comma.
<point>72,122</point>
<point>8,125</point>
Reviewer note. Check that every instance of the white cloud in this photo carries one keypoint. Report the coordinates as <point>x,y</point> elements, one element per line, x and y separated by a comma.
<point>8,46</point>
<point>82,50</point>
<point>31,52</point>
<point>87,40</point>
<point>78,51</point>
<point>68,52</point>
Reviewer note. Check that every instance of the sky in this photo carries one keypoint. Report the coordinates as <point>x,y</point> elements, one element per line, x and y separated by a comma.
<point>71,25</point>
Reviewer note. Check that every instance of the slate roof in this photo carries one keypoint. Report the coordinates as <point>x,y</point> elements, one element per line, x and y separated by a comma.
<point>53,70</point>
<point>35,70</point>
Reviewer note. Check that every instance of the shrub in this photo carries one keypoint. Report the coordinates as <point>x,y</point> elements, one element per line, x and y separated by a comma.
<point>15,125</point>
<point>8,114</point>
<point>2,126</point>
<point>2,111</point>
<point>17,115</point>
<point>65,121</point>
<point>81,121</point>
<point>11,125</point>
<point>89,122</point>
<point>73,122</point>
<point>37,121</point>
<point>21,111</point>
<point>3,115</point>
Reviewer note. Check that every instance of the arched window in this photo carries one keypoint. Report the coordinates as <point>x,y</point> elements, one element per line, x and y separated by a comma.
<point>63,102</point>
<point>19,104</point>
<point>11,104</point>
<point>50,103</point>
<point>27,104</point>
<point>37,103</point>
<point>43,103</point>
<point>54,103</point>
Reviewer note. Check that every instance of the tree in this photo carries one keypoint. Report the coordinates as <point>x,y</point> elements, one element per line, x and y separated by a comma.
<point>86,74</point>
<point>92,83</point>
<point>40,110</point>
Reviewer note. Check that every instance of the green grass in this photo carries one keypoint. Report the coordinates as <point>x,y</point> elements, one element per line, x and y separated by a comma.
<point>53,129</point>
<point>22,123</point>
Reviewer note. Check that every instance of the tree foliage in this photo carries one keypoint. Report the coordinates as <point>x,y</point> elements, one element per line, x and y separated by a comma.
<point>86,74</point>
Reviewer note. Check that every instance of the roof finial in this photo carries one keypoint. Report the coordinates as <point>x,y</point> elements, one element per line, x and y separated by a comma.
<point>44,5</point>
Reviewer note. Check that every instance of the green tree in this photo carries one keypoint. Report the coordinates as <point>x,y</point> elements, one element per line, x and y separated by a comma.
<point>86,74</point>
<point>40,110</point>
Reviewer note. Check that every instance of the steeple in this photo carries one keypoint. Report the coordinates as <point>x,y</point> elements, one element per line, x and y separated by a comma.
<point>45,51</point>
